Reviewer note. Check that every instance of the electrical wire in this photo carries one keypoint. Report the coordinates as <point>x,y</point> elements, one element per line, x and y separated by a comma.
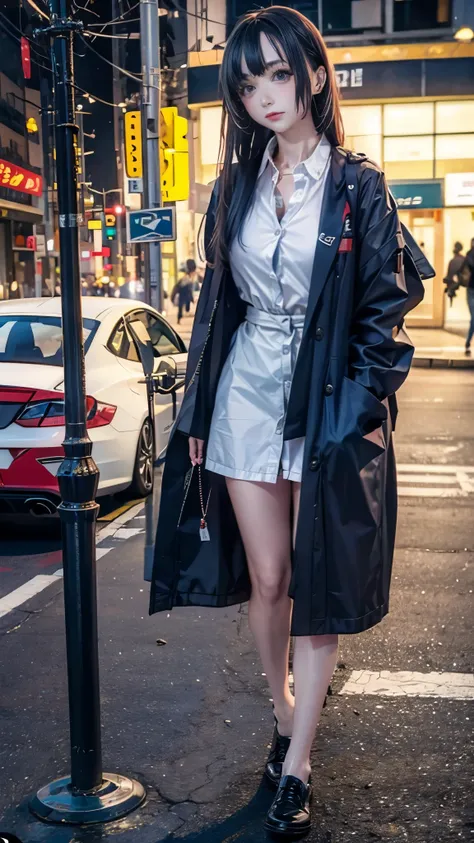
<point>104,35</point>
<point>113,22</point>
<point>16,38</point>
<point>111,63</point>
<point>17,29</point>
<point>120,18</point>
<point>99,99</point>
<point>38,10</point>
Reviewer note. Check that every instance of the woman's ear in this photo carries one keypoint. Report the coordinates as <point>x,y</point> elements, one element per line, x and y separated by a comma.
<point>318,80</point>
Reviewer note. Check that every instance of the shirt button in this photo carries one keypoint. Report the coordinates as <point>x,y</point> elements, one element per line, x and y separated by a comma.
<point>329,389</point>
<point>285,349</point>
<point>277,232</point>
<point>319,334</point>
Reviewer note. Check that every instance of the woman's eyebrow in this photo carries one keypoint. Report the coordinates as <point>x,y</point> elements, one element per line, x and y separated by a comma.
<point>267,66</point>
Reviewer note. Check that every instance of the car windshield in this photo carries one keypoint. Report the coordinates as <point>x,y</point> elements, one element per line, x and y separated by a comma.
<point>37,339</point>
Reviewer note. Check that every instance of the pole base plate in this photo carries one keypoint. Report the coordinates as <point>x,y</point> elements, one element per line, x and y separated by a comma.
<point>116,797</point>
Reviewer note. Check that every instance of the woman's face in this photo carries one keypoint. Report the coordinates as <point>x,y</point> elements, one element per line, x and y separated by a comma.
<point>270,99</point>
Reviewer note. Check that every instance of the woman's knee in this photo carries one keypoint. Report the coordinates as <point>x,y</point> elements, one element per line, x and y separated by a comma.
<point>270,587</point>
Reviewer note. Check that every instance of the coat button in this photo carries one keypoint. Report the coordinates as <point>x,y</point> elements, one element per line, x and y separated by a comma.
<point>319,334</point>
<point>314,464</point>
<point>329,389</point>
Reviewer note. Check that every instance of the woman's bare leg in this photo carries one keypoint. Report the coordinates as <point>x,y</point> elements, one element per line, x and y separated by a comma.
<point>263,515</point>
<point>314,660</point>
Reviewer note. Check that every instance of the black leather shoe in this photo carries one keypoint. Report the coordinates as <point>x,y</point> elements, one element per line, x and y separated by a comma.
<point>279,748</point>
<point>289,815</point>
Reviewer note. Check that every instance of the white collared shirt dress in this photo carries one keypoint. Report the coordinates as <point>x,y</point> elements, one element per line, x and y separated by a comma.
<point>272,269</point>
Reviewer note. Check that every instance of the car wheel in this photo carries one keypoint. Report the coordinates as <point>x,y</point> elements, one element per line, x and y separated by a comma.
<point>142,480</point>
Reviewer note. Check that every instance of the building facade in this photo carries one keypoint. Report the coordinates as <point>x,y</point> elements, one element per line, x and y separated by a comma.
<point>407,95</point>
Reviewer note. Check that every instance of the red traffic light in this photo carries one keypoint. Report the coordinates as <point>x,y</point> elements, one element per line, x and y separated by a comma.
<point>119,209</point>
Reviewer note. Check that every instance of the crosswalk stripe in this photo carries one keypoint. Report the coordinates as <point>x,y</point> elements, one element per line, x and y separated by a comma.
<point>405,683</point>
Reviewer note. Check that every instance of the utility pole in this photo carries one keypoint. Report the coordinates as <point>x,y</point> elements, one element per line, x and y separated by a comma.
<point>151,103</point>
<point>88,795</point>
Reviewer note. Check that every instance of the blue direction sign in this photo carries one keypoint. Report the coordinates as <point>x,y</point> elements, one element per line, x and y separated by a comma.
<point>151,225</point>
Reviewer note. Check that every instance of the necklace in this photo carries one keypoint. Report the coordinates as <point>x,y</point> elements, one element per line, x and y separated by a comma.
<point>203,531</point>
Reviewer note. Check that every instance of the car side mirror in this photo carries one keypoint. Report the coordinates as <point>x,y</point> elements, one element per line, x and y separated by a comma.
<point>165,376</point>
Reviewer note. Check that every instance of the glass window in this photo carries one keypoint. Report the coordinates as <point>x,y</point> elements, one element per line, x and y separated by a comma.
<point>421,14</point>
<point>454,146</point>
<point>162,336</point>
<point>31,339</point>
<point>409,157</point>
<point>411,148</point>
<point>362,119</point>
<point>370,145</point>
<point>454,117</point>
<point>408,118</point>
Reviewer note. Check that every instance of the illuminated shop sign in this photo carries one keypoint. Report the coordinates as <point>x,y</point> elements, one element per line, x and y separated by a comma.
<point>16,178</point>
<point>423,194</point>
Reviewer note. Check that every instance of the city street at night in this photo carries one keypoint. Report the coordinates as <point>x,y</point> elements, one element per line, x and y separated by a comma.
<point>234,238</point>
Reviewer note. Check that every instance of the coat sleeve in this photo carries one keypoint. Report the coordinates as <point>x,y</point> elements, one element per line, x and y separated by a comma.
<point>380,351</point>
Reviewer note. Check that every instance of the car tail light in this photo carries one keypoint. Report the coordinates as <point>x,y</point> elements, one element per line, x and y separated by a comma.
<point>49,412</point>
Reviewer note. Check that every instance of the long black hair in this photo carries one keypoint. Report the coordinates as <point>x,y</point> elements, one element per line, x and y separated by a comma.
<point>299,42</point>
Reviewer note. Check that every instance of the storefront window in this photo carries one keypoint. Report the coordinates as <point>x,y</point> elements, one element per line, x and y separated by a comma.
<point>420,14</point>
<point>408,118</point>
<point>409,157</point>
<point>454,117</point>
<point>454,154</point>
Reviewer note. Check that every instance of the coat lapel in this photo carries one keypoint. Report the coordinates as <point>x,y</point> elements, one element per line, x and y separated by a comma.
<point>330,232</point>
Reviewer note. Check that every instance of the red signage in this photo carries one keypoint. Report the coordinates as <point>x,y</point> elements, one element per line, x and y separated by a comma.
<point>11,175</point>
<point>25,57</point>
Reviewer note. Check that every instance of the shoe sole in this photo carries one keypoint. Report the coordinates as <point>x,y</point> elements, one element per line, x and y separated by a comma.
<point>293,833</point>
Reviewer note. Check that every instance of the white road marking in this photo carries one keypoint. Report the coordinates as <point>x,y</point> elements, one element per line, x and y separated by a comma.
<point>442,481</point>
<point>37,584</point>
<point>25,592</point>
<point>407,683</point>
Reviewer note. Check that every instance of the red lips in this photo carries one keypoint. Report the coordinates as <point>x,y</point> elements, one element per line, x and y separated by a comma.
<point>273,114</point>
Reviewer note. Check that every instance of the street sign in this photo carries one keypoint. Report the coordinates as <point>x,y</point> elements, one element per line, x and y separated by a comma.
<point>151,225</point>
<point>135,185</point>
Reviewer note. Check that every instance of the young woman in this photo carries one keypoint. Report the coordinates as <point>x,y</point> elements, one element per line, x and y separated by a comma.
<point>297,350</point>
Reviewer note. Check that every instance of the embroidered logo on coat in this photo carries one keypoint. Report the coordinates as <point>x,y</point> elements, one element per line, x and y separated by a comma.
<point>326,239</point>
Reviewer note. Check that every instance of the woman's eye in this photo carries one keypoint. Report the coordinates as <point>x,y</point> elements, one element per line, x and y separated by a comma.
<point>281,75</point>
<point>246,90</point>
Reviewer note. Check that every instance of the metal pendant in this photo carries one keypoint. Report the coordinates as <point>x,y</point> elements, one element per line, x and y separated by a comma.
<point>204,532</point>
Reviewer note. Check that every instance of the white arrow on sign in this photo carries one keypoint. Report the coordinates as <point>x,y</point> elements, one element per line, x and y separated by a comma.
<point>152,224</point>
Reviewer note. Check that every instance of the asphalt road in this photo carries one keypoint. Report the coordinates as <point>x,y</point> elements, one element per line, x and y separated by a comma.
<point>191,718</point>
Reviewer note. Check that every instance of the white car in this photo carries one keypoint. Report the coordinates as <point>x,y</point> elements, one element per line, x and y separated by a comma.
<point>118,418</point>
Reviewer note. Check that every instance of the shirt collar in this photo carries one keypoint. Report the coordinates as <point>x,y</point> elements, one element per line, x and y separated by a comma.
<point>315,164</point>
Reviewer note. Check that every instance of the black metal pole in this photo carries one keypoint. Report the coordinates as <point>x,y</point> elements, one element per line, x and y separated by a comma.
<point>88,795</point>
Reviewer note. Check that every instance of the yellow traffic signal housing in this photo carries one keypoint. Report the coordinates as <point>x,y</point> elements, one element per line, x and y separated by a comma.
<point>110,220</point>
<point>174,159</point>
<point>133,145</point>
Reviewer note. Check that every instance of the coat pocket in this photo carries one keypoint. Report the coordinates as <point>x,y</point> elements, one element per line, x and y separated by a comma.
<point>355,419</point>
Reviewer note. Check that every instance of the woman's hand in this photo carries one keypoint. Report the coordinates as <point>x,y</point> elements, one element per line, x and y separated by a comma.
<point>196,447</point>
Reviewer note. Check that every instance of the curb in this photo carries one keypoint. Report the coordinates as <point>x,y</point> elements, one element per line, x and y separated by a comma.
<point>443,362</point>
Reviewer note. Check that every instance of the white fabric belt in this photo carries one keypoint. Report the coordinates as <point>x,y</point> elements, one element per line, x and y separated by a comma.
<point>285,322</point>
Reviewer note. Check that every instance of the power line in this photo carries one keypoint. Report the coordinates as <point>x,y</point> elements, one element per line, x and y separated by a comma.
<point>99,99</point>
<point>120,69</point>
<point>119,18</point>
<point>17,29</point>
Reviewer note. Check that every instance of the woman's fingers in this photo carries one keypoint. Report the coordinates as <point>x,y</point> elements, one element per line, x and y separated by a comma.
<point>196,447</point>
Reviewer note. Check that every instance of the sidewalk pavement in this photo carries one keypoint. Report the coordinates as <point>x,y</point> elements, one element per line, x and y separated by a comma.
<point>434,347</point>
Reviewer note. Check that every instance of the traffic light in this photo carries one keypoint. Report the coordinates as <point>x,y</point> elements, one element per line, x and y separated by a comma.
<point>174,158</point>
<point>110,225</point>
<point>133,145</point>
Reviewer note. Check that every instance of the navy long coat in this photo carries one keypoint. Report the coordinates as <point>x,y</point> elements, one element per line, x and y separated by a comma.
<point>354,355</point>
